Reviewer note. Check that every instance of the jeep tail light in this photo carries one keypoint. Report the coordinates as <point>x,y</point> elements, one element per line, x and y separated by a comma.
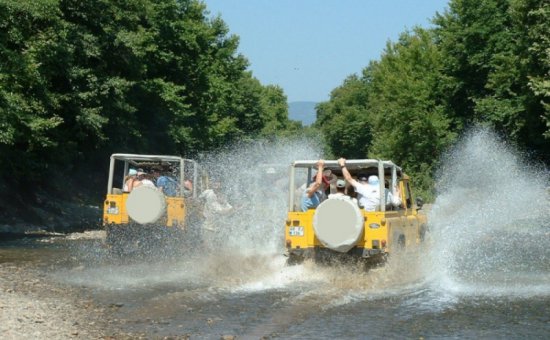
<point>383,243</point>
<point>288,243</point>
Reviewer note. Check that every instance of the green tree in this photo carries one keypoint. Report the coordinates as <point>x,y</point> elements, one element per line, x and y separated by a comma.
<point>344,121</point>
<point>29,110</point>
<point>408,120</point>
<point>275,114</point>
<point>82,79</point>
<point>394,110</point>
<point>495,65</point>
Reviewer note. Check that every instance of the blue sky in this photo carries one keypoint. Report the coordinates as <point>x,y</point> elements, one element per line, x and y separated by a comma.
<point>308,47</point>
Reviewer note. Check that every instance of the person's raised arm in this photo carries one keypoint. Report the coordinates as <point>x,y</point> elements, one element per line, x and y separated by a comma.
<point>345,172</point>
<point>318,178</point>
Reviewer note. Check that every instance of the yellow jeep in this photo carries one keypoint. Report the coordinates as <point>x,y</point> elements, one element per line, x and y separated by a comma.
<point>338,228</point>
<point>139,211</point>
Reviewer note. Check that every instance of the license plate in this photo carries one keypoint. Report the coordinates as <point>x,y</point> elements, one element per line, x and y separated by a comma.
<point>112,211</point>
<point>296,231</point>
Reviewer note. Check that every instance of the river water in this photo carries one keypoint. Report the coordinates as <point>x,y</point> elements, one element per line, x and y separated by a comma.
<point>483,271</point>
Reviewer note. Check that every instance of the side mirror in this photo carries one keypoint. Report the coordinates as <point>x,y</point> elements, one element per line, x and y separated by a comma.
<point>419,202</point>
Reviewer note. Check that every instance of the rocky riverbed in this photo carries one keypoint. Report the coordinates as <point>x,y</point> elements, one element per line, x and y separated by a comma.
<point>32,306</point>
<point>37,304</point>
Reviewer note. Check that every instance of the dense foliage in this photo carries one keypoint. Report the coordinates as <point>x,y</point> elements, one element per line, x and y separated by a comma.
<point>484,62</point>
<point>82,79</point>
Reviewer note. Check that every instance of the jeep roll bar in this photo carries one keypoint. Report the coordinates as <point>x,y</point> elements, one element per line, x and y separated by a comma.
<point>128,158</point>
<point>354,165</point>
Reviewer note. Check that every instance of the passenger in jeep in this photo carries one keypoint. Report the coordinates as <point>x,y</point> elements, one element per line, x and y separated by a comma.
<point>368,189</point>
<point>393,197</point>
<point>144,179</point>
<point>129,180</point>
<point>316,192</point>
<point>188,188</point>
<point>341,191</point>
<point>167,184</point>
<point>215,206</point>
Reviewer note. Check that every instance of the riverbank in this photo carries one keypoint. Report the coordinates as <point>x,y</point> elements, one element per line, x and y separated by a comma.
<point>47,214</point>
<point>32,306</point>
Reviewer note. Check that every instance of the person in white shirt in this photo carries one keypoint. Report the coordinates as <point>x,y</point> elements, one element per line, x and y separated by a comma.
<point>393,197</point>
<point>368,189</point>
<point>215,206</point>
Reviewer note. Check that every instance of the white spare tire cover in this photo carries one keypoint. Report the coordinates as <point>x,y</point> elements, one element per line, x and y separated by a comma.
<point>145,204</point>
<point>338,224</point>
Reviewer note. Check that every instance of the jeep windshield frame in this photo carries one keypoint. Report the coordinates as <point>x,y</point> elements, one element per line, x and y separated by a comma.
<point>135,160</point>
<point>382,168</point>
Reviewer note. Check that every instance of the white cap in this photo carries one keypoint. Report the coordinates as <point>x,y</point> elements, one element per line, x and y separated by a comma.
<point>373,179</point>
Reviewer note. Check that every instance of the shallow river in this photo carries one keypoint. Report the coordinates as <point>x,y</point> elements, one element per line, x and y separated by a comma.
<point>255,296</point>
<point>482,272</point>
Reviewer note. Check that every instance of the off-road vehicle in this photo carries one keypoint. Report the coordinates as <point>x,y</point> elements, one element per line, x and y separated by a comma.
<point>147,211</point>
<point>340,228</point>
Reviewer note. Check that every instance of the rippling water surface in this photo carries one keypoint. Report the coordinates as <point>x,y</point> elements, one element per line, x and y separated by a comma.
<point>483,272</point>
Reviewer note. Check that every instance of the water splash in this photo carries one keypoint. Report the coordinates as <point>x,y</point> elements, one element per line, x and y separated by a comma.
<point>490,221</point>
<point>489,233</point>
<point>254,179</point>
<point>247,245</point>
<point>248,249</point>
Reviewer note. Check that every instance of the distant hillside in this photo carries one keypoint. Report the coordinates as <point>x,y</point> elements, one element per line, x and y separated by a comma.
<point>303,112</point>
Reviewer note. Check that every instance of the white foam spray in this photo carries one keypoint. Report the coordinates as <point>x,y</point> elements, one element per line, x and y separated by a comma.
<point>489,233</point>
<point>490,227</point>
<point>254,180</point>
<point>247,246</point>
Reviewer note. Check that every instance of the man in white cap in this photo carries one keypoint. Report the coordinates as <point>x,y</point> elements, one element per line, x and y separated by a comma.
<point>391,199</point>
<point>368,189</point>
<point>341,191</point>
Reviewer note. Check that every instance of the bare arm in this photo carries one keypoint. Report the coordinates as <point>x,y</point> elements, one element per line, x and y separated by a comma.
<point>318,179</point>
<point>345,172</point>
<point>397,196</point>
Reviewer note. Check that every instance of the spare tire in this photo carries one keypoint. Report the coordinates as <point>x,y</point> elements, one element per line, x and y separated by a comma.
<point>338,223</point>
<point>145,204</point>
